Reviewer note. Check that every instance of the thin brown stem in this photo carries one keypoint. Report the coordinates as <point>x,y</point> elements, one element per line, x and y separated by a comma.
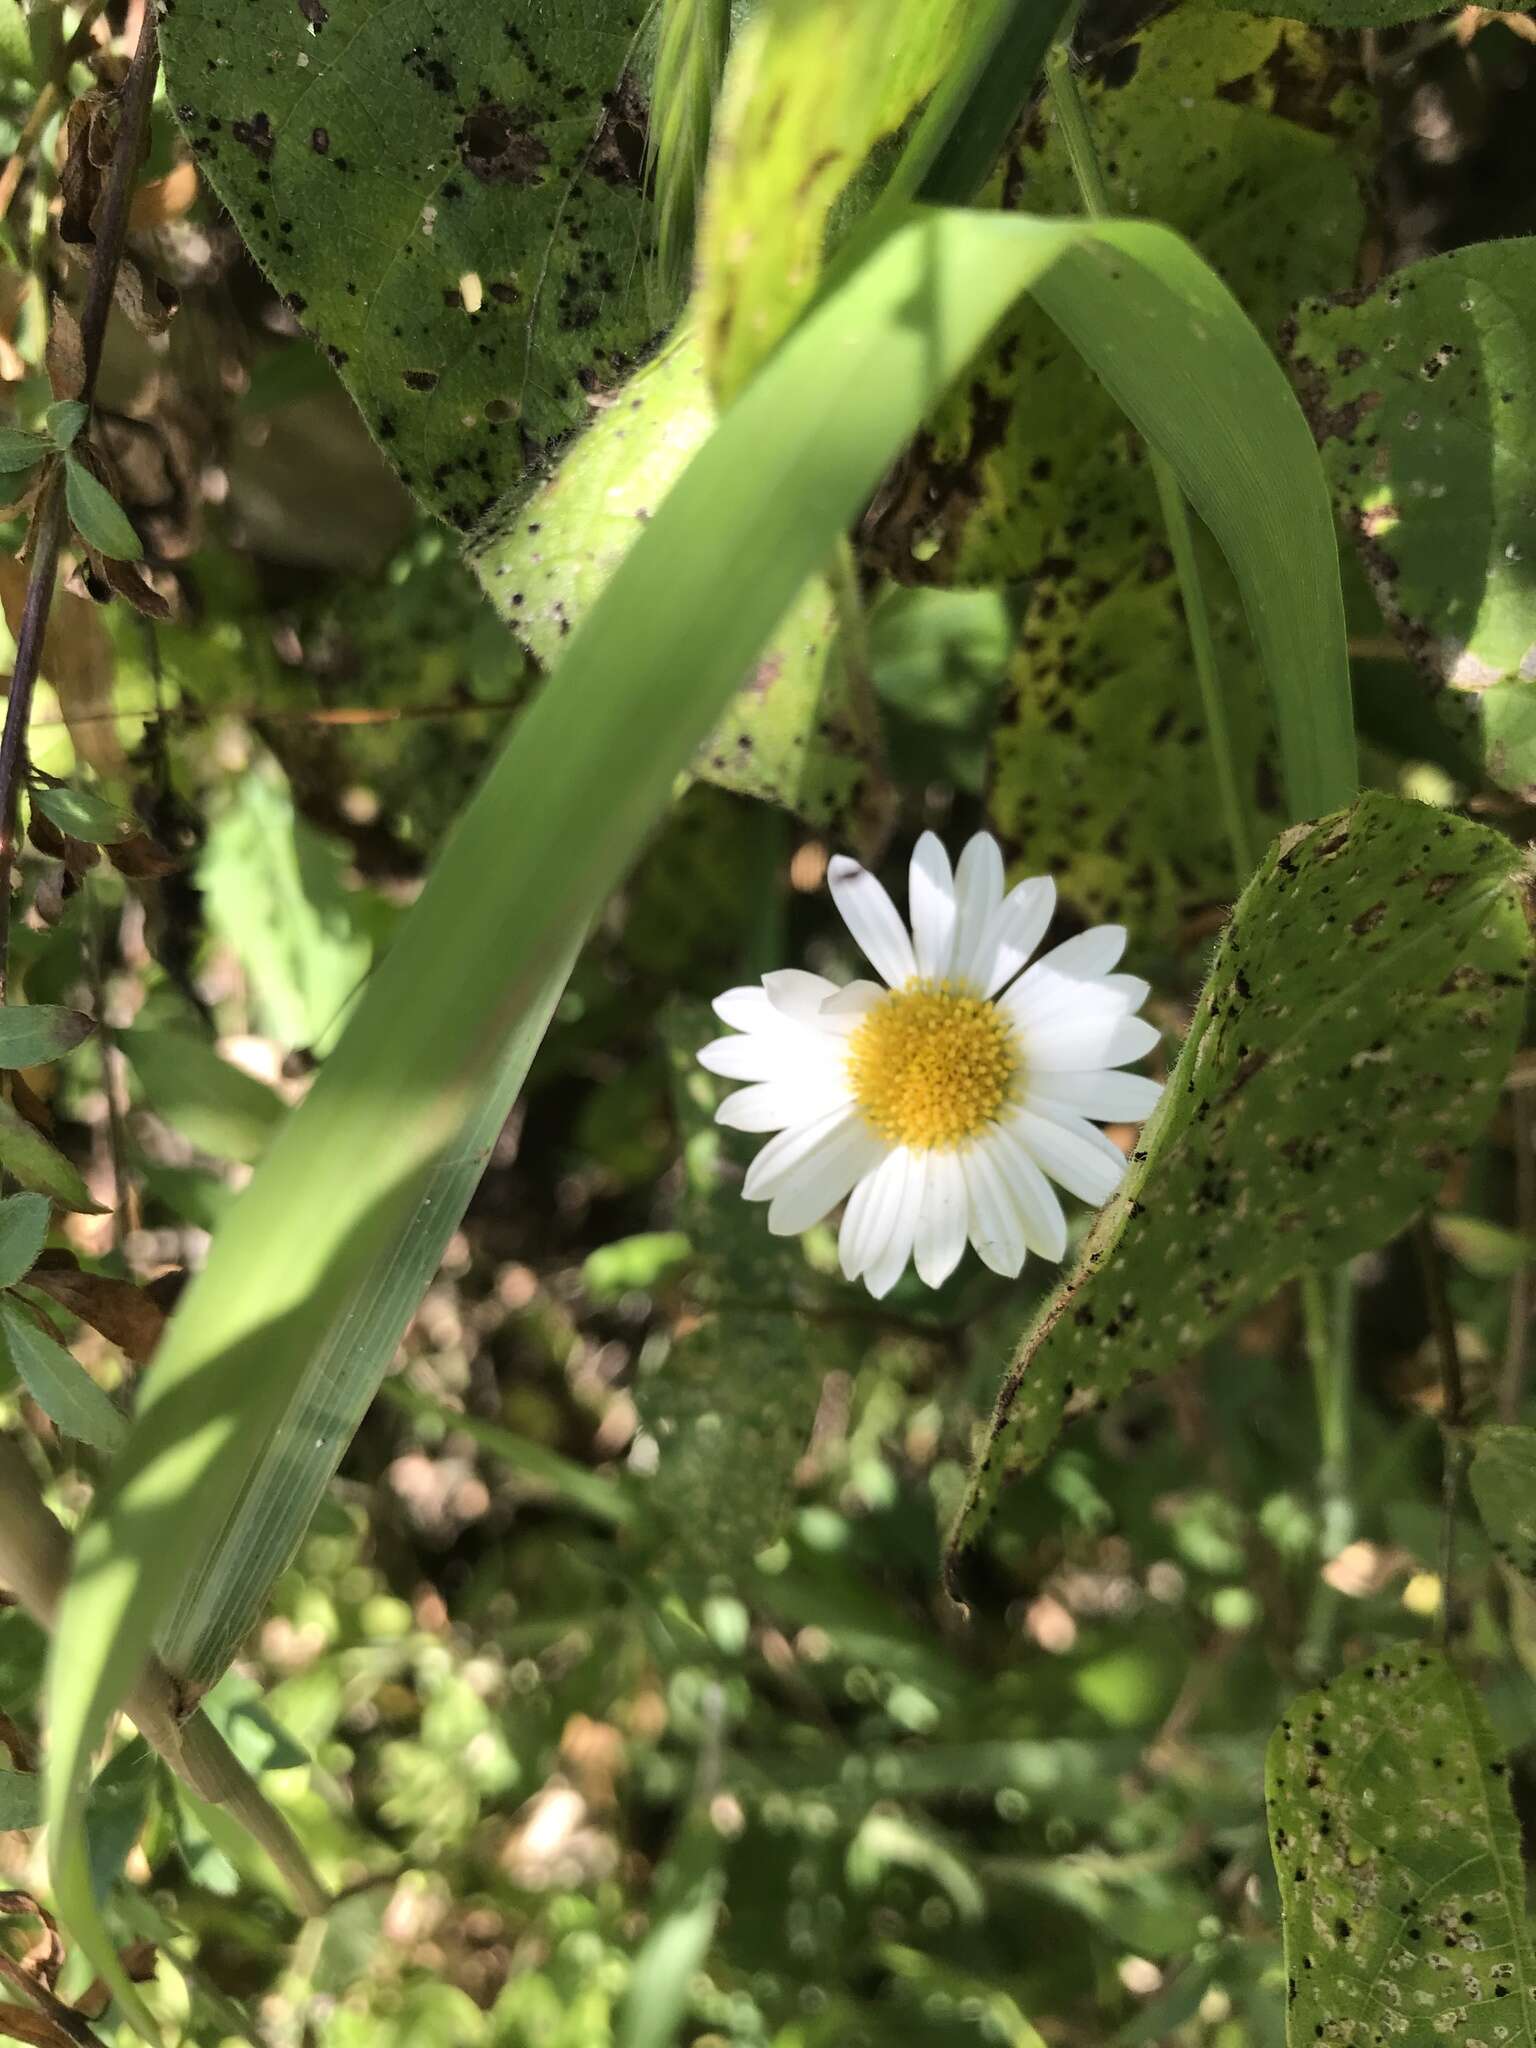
<point>48,525</point>
<point>1452,1405</point>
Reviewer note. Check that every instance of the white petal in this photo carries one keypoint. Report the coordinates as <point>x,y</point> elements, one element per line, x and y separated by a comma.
<point>819,1182</point>
<point>783,1155</point>
<point>744,1009</point>
<point>1081,1158</point>
<point>871,917</point>
<point>873,1212</point>
<point>1114,1098</point>
<point>774,1105</point>
<point>890,1262</point>
<point>844,1012</point>
<point>1088,957</point>
<point>1039,1206</point>
<point>931,905</point>
<point>1130,988</point>
<point>942,1220</point>
<point>1094,1032</point>
<point>995,1226</point>
<point>752,1056</point>
<point>978,893</point>
<point>1015,929</point>
<point>796,994</point>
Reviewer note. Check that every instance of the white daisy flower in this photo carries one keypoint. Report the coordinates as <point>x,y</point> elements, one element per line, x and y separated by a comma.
<point>939,1098</point>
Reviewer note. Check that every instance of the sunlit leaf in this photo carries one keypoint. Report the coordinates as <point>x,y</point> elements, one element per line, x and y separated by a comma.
<point>83,815</point>
<point>23,1233</point>
<point>1362,1007</point>
<point>29,1157</point>
<point>473,263</point>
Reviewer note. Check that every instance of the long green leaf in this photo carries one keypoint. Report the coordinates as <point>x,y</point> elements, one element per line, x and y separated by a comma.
<point>565,807</point>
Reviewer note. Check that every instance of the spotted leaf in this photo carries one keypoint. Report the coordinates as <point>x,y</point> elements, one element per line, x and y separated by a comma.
<point>1402,1888</point>
<point>794,733</point>
<point>1361,1010</point>
<point>472,260</point>
<point>1421,398</point>
<point>1503,1482</point>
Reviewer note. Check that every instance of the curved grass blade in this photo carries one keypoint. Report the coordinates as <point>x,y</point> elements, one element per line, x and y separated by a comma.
<point>563,811</point>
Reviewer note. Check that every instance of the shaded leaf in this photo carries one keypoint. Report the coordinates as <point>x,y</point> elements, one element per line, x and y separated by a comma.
<point>218,1107</point>
<point>21,449</point>
<point>1420,395</point>
<point>1361,1010</point>
<point>128,1316</point>
<point>96,515</point>
<point>29,1157</point>
<point>23,1233</point>
<point>65,417</point>
<point>32,1034</point>
<point>470,263</point>
<point>80,814</point>
<point>793,733</point>
<point>1503,1483</point>
<point>274,891</point>
<point>60,1384</point>
<point>21,1799</point>
<point>1402,1889</point>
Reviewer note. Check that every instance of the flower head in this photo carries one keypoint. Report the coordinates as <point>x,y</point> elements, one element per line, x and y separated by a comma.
<point>940,1098</point>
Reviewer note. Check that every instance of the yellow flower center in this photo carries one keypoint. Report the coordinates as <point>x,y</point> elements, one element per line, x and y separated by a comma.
<point>931,1065</point>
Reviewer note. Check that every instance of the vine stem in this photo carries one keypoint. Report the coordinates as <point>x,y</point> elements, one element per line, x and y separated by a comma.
<point>1072,117</point>
<point>46,536</point>
<point>1452,1406</point>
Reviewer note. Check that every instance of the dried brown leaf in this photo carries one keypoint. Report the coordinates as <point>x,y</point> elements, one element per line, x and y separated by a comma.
<point>124,1314</point>
<point>64,357</point>
<point>79,662</point>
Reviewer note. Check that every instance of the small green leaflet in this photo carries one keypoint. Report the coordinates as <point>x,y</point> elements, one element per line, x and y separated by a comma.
<point>1361,1010</point>
<point>83,815</point>
<point>32,1034</point>
<point>1503,1482</point>
<point>27,1155</point>
<point>60,1384</point>
<point>97,517</point>
<point>21,1799</point>
<point>23,1233</point>
<point>64,420</point>
<point>1402,1889</point>
<point>219,1108</point>
<point>20,449</point>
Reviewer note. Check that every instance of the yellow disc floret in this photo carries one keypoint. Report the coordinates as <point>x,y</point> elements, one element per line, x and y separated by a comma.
<point>931,1065</point>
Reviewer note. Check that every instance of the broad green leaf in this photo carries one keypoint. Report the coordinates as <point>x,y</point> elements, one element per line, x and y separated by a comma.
<point>218,1107</point>
<point>84,816</point>
<point>810,89</point>
<point>1100,766</point>
<point>1503,1483</point>
<point>794,733</point>
<point>346,1199</point>
<point>1363,1004</point>
<point>691,45</point>
<point>1420,396</point>
<point>274,892</point>
<point>60,1384</point>
<point>96,515</point>
<point>23,1233</point>
<point>32,1034</point>
<point>1402,1887</point>
<point>27,1156</point>
<point>473,260</point>
<point>1342,14</point>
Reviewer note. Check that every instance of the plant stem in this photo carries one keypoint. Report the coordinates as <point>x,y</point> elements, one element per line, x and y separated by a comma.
<point>1452,1406</point>
<point>1329,1330</point>
<point>1517,1334</point>
<point>1072,118</point>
